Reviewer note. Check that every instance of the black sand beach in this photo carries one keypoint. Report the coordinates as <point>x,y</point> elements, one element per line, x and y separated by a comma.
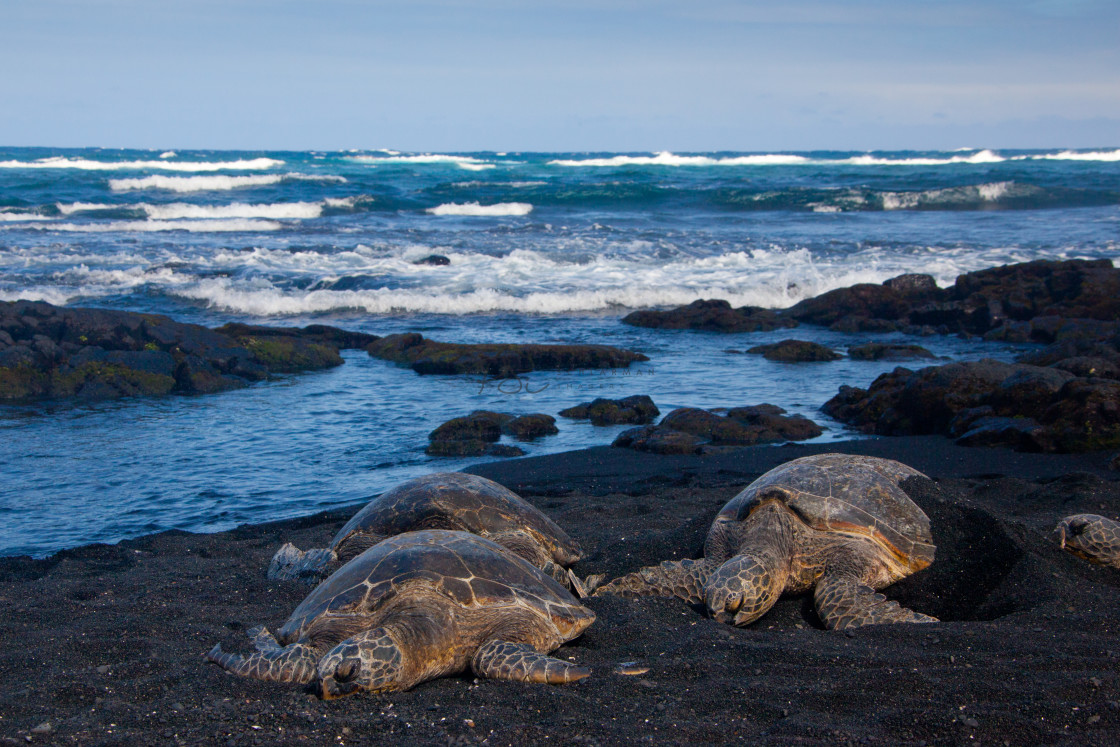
<point>104,644</point>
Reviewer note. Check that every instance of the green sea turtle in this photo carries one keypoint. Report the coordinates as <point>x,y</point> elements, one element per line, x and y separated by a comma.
<point>1092,537</point>
<point>443,500</point>
<point>418,606</point>
<point>837,524</point>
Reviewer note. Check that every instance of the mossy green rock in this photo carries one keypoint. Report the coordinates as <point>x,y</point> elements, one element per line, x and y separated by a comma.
<point>55,352</point>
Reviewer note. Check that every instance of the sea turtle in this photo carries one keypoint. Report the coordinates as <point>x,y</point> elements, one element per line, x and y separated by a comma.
<point>418,606</point>
<point>1091,537</point>
<point>443,500</point>
<point>837,524</point>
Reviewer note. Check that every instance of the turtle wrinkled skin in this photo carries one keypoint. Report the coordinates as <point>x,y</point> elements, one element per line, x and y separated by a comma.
<point>418,606</point>
<point>445,500</point>
<point>836,524</point>
<point>1092,537</point>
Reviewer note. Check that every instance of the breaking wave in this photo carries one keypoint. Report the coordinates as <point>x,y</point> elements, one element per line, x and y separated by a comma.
<point>145,226</point>
<point>212,183</point>
<point>86,164</point>
<point>475,209</point>
<point>665,158</point>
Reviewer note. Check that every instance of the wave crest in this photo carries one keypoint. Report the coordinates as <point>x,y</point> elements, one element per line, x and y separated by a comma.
<point>86,164</point>
<point>211,183</point>
<point>475,209</point>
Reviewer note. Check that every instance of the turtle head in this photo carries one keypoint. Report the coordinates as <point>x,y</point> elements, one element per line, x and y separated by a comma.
<point>743,589</point>
<point>1089,536</point>
<point>370,661</point>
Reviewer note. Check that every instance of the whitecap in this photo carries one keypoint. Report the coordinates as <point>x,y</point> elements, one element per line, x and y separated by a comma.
<point>1072,155</point>
<point>275,211</point>
<point>211,183</point>
<point>14,217</point>
<point>984,156</point>
<point>145,226</point>
<point>86,164</point>
<point>475,209</point>
<point>665,158</point>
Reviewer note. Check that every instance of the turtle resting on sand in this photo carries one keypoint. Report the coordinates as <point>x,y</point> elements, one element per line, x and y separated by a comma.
<point>418,606</point>
<point>444,500</point>
<point>837,524</point>
<point>1092,537</point>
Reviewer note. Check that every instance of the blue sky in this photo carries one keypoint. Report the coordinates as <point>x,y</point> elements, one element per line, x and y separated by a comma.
<point>455,75</point>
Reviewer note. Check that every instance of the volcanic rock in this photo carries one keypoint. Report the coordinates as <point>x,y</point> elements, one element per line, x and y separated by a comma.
<point>638,409</point>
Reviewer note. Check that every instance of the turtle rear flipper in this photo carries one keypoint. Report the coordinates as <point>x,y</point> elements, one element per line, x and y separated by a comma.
<point>503,660</point>
<point>843,601</point>
<point>292,564</point>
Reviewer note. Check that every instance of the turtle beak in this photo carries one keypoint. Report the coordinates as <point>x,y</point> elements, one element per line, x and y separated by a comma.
<point>1061,532</point>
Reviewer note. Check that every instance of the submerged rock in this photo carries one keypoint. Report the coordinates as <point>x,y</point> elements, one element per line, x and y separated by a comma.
<point>497,360</point>
<point>637,409</point>
<point>795,351</point>
<point>477,434</point>
<point>877,351</point>
<point>712,315</point>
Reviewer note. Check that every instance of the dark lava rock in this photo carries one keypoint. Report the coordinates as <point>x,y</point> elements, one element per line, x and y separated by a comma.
<point>656,440</point>
<point>496,360</point>
<point>480,425</point>
<point>529,427</point>
<point>638,409</point>
<point>689,430</point>
<point>433,259</point>
<point>710,315</point>
<point>988,402</point>
<point>1001,302</point>
<point>864,300</point>
<point>877,351</point>
<point>54,352</point>
<point>795,351</point>
<point>476,434</point>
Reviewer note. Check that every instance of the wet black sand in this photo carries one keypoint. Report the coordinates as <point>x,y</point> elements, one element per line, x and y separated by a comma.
<point>104,645</point>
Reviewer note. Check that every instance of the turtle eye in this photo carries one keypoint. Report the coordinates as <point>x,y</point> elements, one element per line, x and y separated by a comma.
<point>346,670</point>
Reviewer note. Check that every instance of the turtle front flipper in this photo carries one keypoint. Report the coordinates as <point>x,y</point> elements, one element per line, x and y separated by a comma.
<point>503,660</point>
<point>294,663</point>
<point>843,601</point>
<point>1090,536</point>
<point>292,564</point>
<point>683,579</point>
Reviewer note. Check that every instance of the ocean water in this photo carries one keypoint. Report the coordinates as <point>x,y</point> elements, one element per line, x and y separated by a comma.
<point>543,247</point>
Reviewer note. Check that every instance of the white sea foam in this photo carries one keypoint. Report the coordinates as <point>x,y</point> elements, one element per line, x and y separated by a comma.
<point>211,183</point>
<point>274,211</point>
<point>665,158</point>
<point>86,164</point>
<point>1070,155</point>
<point>953,196</point>
<point>144,226</point>
<point>168,154</point>
<point>68,208</point>
<point>526,281</point>
<point>14,217</point>
<point>984,156</point>
<point>473,208</point>
<point>464,162</point>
